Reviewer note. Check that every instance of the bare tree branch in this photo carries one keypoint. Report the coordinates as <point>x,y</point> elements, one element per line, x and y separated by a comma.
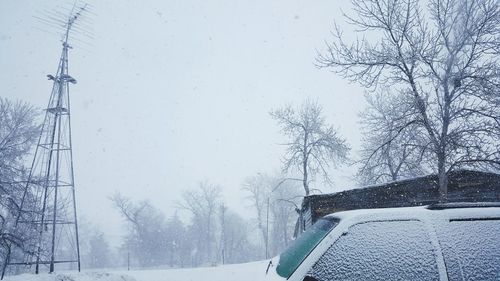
<point>313,145</point>
<point>444,64</point>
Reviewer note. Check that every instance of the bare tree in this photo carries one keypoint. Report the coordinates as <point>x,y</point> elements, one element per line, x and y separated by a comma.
<point>283,204</point>
<point>130,210</point>
<point>313,145</point>
<point>390,150</point>
<point>256,188</point>
<point>179,246</point>
<point>444,61</point>
<point>274,199</point>
<point>96,252</point>
<point>202,203</point>
<point>147,236</point>
<point>235,239</point>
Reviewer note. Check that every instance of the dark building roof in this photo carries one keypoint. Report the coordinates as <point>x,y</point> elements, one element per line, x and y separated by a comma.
<point>463,186</point>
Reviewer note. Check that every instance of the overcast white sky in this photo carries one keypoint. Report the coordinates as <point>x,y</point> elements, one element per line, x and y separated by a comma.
<point>171,93</point>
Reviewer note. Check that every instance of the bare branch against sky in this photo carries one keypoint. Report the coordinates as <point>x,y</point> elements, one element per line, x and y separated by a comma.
<point>312,145</point>
<point>444,61</point>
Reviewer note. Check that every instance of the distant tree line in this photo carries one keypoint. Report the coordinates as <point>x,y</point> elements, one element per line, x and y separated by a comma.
<point>213,234</point>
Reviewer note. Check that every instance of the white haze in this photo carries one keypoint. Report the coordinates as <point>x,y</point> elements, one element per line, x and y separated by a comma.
<point>171,93</point>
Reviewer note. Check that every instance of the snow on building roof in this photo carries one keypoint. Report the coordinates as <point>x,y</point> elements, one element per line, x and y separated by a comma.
<point>464,186</point>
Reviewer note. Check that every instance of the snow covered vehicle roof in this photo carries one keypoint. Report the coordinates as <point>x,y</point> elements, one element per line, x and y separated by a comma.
<point>456,241</point>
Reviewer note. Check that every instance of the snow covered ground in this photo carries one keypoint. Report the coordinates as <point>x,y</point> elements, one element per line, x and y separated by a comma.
<point>243,272</point>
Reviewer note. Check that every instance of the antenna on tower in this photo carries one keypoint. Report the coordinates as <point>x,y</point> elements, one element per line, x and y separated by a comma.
<point>46,222</point>
<point>72,23</point>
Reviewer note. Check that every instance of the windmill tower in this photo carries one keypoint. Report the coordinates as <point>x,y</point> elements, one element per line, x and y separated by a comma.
<point>47,219</point>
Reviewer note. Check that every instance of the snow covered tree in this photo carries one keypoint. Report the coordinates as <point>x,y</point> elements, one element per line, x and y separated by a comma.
<point>256,189</point>
<point>146,238</point>
<point>178,245</point>
<point>444,61</point>
<point>235,239</point>
<point>313,144</point>
<point>18,134</point>
<point>390,151</point>
<point>202,204</point>
<point>99,251</point>
<point>95,250</point>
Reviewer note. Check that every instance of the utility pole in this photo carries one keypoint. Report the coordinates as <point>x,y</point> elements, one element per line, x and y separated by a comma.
<point>223,234</point>
<point>128,257</point>
<point>267,228</point>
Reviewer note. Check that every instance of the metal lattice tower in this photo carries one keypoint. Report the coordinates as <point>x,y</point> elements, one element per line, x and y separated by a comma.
<point>47,219</point>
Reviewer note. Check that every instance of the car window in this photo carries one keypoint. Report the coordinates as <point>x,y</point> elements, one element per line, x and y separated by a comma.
<point>471,249</point>
<point>293,256</point>
<point>389,250</point>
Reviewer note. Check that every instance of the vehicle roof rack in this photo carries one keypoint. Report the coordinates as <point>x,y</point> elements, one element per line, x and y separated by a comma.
<point>455,205</point>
